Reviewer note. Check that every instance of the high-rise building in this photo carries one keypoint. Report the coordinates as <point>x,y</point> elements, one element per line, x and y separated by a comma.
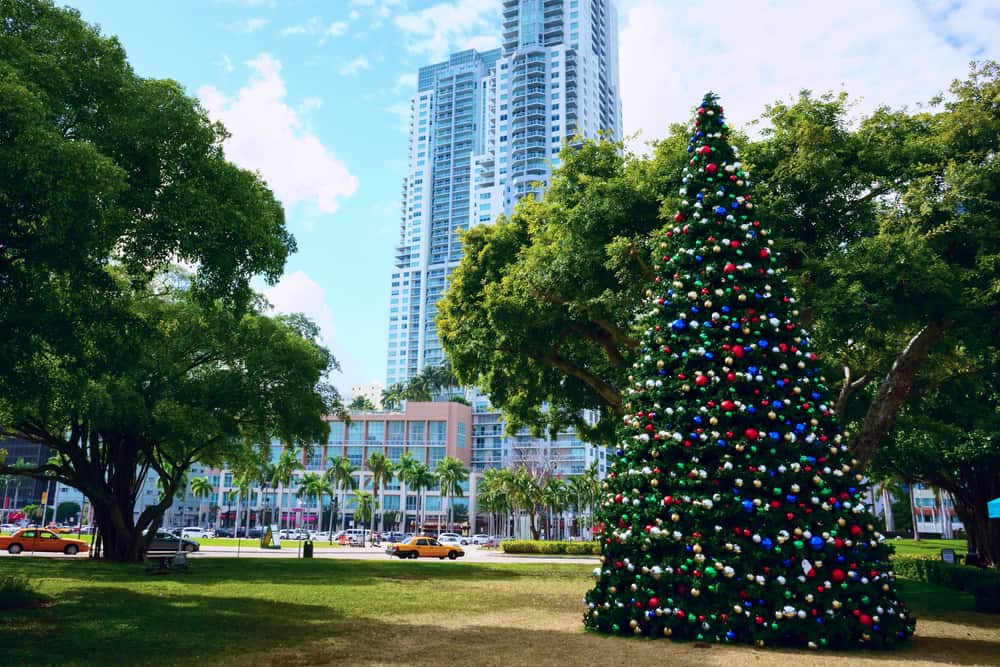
<point>486,130</point>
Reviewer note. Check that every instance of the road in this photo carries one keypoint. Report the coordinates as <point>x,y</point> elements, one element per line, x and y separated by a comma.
<point>291,549</point>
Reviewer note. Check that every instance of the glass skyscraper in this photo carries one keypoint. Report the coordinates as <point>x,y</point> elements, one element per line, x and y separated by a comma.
<point>486,129</point>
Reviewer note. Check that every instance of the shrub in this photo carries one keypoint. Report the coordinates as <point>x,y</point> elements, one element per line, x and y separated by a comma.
<point>551,547</point>
<point>16,591</point>
<point>983,584</point>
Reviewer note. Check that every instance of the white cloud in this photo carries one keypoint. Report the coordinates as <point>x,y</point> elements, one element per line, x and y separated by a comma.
<point>379,10</point>
<point>248,25</point>
<point>297,292</point>
<point>753,54</point>
<point>310,27</point>
<point>355,65</point>
<point>450,26</point>
<point>336,29</point>
<point>405,82</point>
<point>268,136</point>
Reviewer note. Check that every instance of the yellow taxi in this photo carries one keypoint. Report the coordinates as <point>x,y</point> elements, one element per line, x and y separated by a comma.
<point>42,539</point>
<point>420,546</point>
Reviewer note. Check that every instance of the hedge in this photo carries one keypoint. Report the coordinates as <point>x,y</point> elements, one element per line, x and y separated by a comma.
<point>551,547</point>
<point>983,584</point>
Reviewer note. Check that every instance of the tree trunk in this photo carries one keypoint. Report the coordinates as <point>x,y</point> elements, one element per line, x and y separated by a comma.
<point>893,391</point>
<point>913,511</point>
<point>890,522</point>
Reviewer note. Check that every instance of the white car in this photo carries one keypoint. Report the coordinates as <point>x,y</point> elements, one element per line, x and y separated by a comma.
<point>459,539</point>
<point>194,532</point>
<point>450,540</point>
<point>480,539</point>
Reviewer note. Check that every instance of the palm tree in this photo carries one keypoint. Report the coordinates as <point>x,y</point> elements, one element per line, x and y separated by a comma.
<point>382,471</point>
<point>201,488</point>
<point>393,396</point>
<point>492,497</point>
<point>340,473</point>
<point>361,404</point>
<point>419,479</point>
<point>585,491</point>
<point>555,496</point>
<point>363,511</point>
<point>313,485</point>
<point>451,473</point>
<point>284,470</point>
<point>526,494</point>
<point>264,475</point>
<point>403,473</point>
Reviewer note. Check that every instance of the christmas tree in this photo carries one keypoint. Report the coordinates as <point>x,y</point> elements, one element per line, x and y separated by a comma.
<point>732,510</point>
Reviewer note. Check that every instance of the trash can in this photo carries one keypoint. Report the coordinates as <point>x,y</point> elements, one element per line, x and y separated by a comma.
<point>307,549</point>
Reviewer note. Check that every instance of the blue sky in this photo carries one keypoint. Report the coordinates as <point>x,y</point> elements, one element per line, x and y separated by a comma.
<point>316,96</point>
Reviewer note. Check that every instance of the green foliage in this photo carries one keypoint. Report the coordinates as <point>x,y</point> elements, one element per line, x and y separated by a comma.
<point>886,225</point>
<point>588,548</point>
<point>121,366</point>
<point>983,584</point>
<point>732,497</point>
<point>361,404</point>
<point>32,511</point>
<point>17,591</point>
<point>66,510</point>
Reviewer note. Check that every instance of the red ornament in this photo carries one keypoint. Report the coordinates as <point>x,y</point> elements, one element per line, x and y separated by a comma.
<point>729,268</point>
<point>751,433</point>
<point>738,351</point>
<point>654,603</point>
<point>704,150</point>
<point>678,217</point>
<point>701,380</point>
<point>838,575</point>
<point>855,530</point>
<point>866,620</point>
<point>711,167</point>
<point>727,405</point>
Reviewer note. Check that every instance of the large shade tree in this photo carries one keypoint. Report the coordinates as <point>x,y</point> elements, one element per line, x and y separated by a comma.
<point>119,366</point>
<point>887,226</point>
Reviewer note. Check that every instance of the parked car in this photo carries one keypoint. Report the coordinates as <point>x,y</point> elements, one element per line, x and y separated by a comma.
<point>450,540</point>
<point>8,527</point>
<point>255,533</point>
<point>40,539</point>
<point>293,534</point>
<point>394,536</point>
<point>194,532</point>
<point>224,532</point>
<point>424,547</point>
<point>164,541</point>
<point>461,539</point>
<point>480,538</point>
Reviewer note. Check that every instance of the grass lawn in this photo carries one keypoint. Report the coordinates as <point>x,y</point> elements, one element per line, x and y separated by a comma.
<point>302,612</point>
<point>930,548</point>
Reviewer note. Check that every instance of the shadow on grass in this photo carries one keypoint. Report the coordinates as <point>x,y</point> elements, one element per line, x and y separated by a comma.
<point>103,626</point>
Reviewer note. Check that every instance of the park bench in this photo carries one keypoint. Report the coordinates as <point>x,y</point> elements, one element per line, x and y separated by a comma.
<point>164,562</point>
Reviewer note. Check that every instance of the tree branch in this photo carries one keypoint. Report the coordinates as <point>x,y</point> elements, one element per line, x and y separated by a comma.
<point>647,270</point>
<point>893,390</point>
<point>849,389</point>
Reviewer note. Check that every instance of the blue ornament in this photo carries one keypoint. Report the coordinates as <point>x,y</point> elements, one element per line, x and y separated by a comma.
<point>730,635</point>
<point>816,543</point>
<point>767,543</point>
<point>725,309</point>
<point>678,325</point>
<point>762,343</point>
<point>735,204</point>
<point>748,505</point>
<point>721,210</point>
<point>700,196</point>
